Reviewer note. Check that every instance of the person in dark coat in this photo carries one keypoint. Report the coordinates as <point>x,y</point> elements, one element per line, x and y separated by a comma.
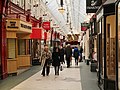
<point>81,51</point>
<point>62,54</point>
<point>76,55</point>
<point>56,60</point>
<point>68,52</point>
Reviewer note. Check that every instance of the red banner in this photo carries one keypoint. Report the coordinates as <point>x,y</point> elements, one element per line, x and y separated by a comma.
<point>36,33</point>
<point>46,25</point>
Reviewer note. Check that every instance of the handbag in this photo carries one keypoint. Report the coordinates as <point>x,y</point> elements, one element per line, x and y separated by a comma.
<point>49,61</point>
<point>61,67</point>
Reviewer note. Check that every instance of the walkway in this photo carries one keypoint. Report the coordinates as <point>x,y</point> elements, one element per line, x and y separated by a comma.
<point>74,78</point>
<point>69,79</point>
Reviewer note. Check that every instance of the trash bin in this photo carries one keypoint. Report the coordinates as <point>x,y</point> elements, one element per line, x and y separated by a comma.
<point>93,67</point>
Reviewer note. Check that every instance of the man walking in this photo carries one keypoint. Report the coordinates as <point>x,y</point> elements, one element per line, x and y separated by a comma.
<point>68,52</point>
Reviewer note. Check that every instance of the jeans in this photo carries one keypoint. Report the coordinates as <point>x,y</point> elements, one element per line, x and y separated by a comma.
<point>76,61</point>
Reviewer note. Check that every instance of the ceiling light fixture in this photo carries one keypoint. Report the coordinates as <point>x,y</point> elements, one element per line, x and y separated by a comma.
<point>61,9</point>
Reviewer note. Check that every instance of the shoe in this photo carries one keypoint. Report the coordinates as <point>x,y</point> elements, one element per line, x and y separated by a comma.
<point>58,74</point>
<point>68,66</point>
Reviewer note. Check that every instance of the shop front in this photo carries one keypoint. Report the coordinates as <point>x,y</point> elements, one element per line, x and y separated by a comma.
<point>18,45</point>
<point>106,38</point>
<point>92,36</point>
<point>118,43</point>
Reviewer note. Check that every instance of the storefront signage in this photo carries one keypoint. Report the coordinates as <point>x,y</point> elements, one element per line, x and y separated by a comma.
<point>92,5</point>
<point>25,26</point>
<point>84,26</point>
<point>18,25</point>
<point>12,25</point>
<point>46,25</point>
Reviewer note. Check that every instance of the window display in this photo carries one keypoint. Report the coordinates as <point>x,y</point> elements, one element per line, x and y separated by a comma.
<point>110,50</point>
<point>21,47</point>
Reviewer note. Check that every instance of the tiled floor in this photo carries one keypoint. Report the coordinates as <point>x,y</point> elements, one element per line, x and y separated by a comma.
<point>69,79</point>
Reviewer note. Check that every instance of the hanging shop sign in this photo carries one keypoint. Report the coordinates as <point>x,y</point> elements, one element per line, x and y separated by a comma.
<point>84,26</point>
<point>92,5</point>
<point>46,26</point>
<point>36,33</point>
<point>18,25</point>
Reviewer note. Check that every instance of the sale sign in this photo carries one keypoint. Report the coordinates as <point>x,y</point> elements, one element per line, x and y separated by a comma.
<point>46,25</point>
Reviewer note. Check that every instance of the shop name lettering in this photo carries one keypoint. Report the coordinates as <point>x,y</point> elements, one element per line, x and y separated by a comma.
<point>92,7</point>
<point>12,25</point>
<point>26,26</point>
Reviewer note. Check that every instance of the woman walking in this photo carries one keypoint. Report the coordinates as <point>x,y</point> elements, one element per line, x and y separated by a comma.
<point>62,52</point>
<point>56,60</point>
<point>45,59</point>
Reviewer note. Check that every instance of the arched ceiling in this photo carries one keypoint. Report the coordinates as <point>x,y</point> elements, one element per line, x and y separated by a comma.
<point>76,10</point>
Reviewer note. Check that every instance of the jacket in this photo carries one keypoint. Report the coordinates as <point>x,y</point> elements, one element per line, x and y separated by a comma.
<point>68,52</point>
<point>56,58</point>
<point>76,52</point>
<point>45,56</point>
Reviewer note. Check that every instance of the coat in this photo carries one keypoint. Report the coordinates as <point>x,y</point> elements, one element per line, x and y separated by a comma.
<point>68,52</point>
<point>62,55</point>
<point>45,56</point>
<point>56,59</point>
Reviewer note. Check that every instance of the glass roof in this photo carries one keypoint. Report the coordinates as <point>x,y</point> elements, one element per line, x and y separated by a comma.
<point>76,10</point>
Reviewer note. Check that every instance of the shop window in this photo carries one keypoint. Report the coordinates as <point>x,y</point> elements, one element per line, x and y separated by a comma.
<point>110,47</point>
<point>21,47</point>
<point>28,46</point>
<point>11,48</point>
<point>118,45</point>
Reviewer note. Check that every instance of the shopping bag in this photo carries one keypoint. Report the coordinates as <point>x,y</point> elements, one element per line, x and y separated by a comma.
<point>61,67</point>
